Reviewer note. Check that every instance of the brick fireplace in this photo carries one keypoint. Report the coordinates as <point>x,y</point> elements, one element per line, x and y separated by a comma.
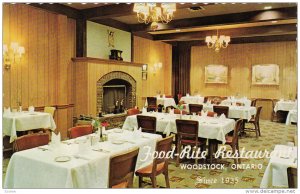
<point>116,81</point>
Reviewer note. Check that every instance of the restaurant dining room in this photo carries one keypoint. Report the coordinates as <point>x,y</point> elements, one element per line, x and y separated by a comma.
<point>149,95</point>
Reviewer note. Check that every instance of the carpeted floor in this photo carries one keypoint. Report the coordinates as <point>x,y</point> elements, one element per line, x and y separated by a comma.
<point>271,134</point>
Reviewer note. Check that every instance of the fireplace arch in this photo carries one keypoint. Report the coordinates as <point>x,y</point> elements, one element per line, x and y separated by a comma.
<point>114,77</point>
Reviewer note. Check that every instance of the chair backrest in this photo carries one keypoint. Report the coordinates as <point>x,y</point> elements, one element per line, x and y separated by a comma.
<point>50,110</point>
<point>133,111</point>
<point>195,108</point>
<point>80,130</point>
<point>162,146</point>
<point>152,101</point>
<point>258,111</point>
<point>238,125</point>
<point>253,102</point>
<point>31,141</point>
<point>147,123</point>
<point>221,110</point>
<point>187,129</point>
<point>292,177</point>
<point>122,168</point>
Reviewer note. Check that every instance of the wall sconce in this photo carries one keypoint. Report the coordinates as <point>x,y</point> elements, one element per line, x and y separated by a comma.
<point>156,67</point>
<point>12,54</point>
<point>144,71</point>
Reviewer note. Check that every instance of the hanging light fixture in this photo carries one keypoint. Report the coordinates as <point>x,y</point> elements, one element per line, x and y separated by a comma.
<point>152,13</point>
<point>217,42</point>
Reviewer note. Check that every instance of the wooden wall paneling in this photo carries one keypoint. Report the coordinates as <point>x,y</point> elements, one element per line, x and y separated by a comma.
<point>33,57</point>
<point>46,61</point>
<point>62,122</point>
<point>6,40</point>
<point>53,60</point>
<point>41,58</point>
<point>240,58</point>
<point>13,70</point>
<point>24,67</point>
<point>81,104</point>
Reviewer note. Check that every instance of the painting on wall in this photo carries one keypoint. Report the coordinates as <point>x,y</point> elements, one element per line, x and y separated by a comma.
<point>216,74</point>
<point>265,74</point>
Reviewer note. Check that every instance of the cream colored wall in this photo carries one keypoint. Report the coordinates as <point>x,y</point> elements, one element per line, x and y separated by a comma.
<point>239,58</point>
<point>151,52</point>
<point>97,41</point>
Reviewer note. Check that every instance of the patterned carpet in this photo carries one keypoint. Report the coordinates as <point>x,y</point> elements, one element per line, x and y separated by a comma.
<point>271,134</point>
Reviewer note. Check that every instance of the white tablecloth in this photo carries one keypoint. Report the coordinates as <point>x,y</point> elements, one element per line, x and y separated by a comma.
<point>242,112</point>
<point>276,171</point>
<point>292,117</point>
<point>212,128</point>
<point>164,101</point>
<point>228,101</point>
<point>285,105</point>
<point>24,121</point>
<point>36,168</point>
<point>192,99</point>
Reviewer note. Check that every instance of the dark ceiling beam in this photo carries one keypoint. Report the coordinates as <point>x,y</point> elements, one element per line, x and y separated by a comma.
<point>121,9</point>
<point>60,9</point>
<point>113,23</point>
<point>235,18</point>
<point>242,40</point>
<point>238,32</point>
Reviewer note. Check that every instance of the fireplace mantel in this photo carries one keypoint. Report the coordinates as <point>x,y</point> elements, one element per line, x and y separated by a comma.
<point>107,61</point>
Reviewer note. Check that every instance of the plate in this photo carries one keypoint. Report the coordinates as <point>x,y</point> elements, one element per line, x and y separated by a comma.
<point>118,142</point>
<point>62,159</point>
<point>118,130</point>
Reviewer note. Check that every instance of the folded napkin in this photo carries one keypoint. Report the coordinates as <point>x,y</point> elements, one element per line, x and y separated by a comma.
<point>187,94</point>
<point>164,96</point>
<point>55,139</point>
<point>144,110</point>
<point>137,133</point>
<point>7,111</point>
<point>171,111</point>
<point>222,116</point>
<point>31,109</point>
<point>204,114</point>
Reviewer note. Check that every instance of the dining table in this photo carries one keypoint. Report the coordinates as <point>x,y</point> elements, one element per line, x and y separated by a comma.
<point>192,99</point>
<point>231,100</point>
<point>292,117</point>
<point>25,121</point>
<point>166,102</point>
<point>242,112</point>
<point>209,127</point>
<point>76,163</point>
<point>275,175</point>
<point>285,105</point>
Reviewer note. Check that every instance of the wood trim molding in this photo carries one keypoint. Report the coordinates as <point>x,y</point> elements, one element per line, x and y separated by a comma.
<point>98,60</point>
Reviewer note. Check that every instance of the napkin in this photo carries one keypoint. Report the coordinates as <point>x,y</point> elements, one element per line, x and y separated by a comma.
<point>55,139</point>
<point>144,110</point>
<point>7,111</point>
<point>171,111</point>
<point>31,109</point>
<point>222,116</point>
<point>164,96</point>
<point>137,133</point>
<point>187,94</point>
<point>204,114</point>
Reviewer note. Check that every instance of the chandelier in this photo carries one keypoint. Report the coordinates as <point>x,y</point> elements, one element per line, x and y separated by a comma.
<point>152,13</point>
<point>217,42</point>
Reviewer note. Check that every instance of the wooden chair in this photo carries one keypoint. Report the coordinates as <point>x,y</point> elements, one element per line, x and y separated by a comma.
<point>159,165</point>
<point>221,110</point>
<point>255,122</point>
<point>147,123</point>
<point>152,104</point>
<point>292,175</point>
<point>122,168</point>
<point>233,141</point>
<point>31,141</point>
<point>50,110</point>
<point>253,102</point>
<point>187,134</point>
<point>80,130</point>
<point>195,108</point>
<point>133,111</point>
